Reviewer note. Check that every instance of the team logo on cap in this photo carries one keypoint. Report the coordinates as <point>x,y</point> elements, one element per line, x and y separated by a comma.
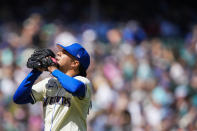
<point>78,56</point>
<point>80,53</point>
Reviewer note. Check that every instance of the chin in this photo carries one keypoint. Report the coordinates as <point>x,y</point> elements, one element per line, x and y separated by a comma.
<point>59,64</point>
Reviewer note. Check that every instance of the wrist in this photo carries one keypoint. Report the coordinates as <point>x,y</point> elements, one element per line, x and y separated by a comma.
<point>52,68</point>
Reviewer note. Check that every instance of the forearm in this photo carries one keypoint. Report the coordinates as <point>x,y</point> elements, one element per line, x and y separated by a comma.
<point>23,92</point>
<point>70,84</point>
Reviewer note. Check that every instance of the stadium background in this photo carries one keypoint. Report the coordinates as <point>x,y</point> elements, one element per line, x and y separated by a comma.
<point>143,65</point>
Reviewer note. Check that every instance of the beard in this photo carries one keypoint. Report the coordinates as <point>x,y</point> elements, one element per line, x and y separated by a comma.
<point>63,68</point>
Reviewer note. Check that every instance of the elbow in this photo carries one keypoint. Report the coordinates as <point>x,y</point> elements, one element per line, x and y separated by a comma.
<point>79,90</point>
<point>77,87</point>
<point>16,99</point>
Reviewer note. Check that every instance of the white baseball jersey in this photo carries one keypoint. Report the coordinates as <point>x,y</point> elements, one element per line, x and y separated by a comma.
<point>62,110</point>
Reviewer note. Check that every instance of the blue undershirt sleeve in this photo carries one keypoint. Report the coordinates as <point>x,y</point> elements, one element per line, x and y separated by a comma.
<point>70,84</point>
<point>23,92</point>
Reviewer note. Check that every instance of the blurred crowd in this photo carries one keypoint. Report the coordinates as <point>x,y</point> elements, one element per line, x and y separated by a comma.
<point>140,83</point>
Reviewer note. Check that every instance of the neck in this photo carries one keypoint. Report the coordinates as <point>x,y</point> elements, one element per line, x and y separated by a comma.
<point>70,73</point>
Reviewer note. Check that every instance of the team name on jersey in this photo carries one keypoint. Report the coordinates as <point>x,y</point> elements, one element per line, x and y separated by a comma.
<point>65,101</point>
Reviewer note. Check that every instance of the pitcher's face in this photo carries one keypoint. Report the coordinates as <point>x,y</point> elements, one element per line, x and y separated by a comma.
<point>66,61</point>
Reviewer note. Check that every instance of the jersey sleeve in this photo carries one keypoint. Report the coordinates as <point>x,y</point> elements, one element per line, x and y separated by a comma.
<point>39,90</point>
<point>83,105</point>
<point>87,85</point>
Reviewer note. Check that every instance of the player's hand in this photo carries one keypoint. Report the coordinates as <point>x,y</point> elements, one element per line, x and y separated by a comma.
<point>52,68</point>
<point>41,59</point>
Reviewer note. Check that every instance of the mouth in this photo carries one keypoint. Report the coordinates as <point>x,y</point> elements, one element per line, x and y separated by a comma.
<point>57,62</point>
<point>57,59</point>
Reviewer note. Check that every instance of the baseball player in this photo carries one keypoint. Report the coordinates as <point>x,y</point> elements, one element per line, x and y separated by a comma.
<point>66,96</point>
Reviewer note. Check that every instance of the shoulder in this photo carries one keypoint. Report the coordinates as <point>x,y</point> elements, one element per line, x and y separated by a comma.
<point>82,79</point>
<point>44,81</point>
<point>88,85</point>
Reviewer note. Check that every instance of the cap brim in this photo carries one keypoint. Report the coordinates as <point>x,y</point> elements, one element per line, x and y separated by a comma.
<point>64,48</point>
<point>59,46</point>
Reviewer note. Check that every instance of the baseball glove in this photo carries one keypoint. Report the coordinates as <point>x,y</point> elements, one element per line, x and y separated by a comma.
<point>42,58</point>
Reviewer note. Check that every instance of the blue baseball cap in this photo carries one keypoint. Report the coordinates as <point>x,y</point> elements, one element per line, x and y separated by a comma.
<point>79,53</point>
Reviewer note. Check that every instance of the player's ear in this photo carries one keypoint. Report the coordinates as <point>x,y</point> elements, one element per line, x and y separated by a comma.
<point>75,64</point>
